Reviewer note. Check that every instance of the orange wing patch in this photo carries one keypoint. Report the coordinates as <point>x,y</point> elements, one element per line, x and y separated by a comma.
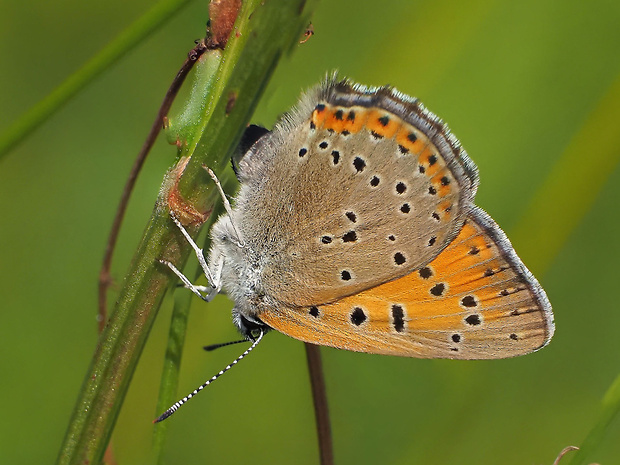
<point>476,300</point>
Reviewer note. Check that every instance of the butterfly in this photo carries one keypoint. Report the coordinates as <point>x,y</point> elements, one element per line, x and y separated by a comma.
<point>355,227</point>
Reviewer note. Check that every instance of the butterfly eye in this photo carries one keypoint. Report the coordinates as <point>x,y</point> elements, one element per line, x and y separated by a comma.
<point>250,328</point>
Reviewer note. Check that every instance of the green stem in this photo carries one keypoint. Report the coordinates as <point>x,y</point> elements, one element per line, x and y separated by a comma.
<point>247,65</point>
<point>123,43</point>
<point>610,409</point>
<point>168,389</point>
<point>172,367</point>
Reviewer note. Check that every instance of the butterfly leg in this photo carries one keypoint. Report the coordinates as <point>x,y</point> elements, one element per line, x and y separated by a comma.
<point>227,206</point>
<point>204,292</point>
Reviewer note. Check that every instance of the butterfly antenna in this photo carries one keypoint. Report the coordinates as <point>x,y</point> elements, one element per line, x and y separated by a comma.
<point>211,347</point>
<point>178,404</point>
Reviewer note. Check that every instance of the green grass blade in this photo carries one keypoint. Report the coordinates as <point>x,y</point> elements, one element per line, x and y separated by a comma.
<point>172,367</point>
<point>124,42</point>
<point>610,409</point>
<point>183,126</point>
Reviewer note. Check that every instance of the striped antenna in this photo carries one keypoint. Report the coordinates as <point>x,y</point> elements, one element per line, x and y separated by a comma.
<point>211,347</point>
<point>178,404</point>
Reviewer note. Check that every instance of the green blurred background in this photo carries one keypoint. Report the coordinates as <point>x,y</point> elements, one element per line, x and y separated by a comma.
<point>531,89</point>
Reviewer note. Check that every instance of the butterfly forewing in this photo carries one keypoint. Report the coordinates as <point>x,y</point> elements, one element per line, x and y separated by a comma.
<point>344,196</point>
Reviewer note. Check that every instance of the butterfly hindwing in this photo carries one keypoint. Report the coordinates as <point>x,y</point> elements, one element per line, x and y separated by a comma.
<point>475,300</point>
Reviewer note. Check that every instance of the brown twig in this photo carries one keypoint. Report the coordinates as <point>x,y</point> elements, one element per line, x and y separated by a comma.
<point>564,452</point>
<point>104,275</point>
<point>321,411</point>
<point>309,32</point>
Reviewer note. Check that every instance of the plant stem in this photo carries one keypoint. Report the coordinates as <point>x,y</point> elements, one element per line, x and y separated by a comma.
<point>319,396</point>
<point>247,65</point>
<point>610,409</point>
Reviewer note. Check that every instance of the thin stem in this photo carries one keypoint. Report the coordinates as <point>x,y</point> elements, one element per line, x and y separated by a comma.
<point>124,42</point>
<point>609,411</point>
<point>104,275</point>
<point>321,410</point>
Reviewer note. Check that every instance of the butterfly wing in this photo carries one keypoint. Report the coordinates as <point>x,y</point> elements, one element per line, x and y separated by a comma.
<point>475,300</point>
<point>355,188</point>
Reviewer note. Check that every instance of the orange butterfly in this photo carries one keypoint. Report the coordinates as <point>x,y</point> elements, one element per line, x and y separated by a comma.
<point>355,228</point>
